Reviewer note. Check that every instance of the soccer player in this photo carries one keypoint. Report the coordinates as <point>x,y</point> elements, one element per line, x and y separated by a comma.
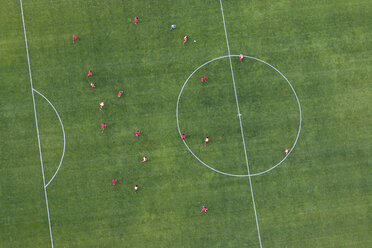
<point>185,39</point>
<point>241,57</point>
<point>74,39</point>
<point>183,136</point>
<point>114,181</point>
<point>204,79</point>
<point>144,159</point>
<point>101,104</point>
<point>137,133</point>
<point>173,26</point>
<point>89,73</point>
<point>120,93</point>
<point>103,126</point>
<point>92,85</point>
<point>206,140</point>
<point>286,151</point>
<point>204,209</point>
<point>135,20</point>
<point>136,188</point>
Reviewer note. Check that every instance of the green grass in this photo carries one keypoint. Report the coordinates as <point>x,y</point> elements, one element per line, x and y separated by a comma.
<point>319,197</point>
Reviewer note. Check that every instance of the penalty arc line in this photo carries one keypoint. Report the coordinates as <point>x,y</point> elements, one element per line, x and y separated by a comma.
<point>241,125</point>
<point>64,137</point>
<point>37,127</point>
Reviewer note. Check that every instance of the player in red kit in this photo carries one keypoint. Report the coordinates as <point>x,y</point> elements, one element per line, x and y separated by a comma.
<point>74,39</point>
<point>120,93</point>
<point>135,20</point>
<point>114,181</point>
<point>286,151</point>
<point>206,140</point>
<point>144,159</point>
<point>241,57</point>
<point>204,209</point>
<point>103,126</point>
<point>136,188</point>
<point>137,133</point>
<point>92,85</point>
<point>185,39</point>
<point>89,73</point>
<point>183,136</point>
<point>101,104</point>
<point>204,79</point>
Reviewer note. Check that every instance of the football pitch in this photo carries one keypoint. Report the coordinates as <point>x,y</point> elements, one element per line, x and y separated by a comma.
<point>303,84</point>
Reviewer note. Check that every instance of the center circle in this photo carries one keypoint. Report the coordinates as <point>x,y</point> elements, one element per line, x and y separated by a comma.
<point>241,175</point>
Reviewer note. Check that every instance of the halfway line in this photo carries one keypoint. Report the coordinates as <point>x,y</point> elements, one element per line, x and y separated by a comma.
<point>241,125</point>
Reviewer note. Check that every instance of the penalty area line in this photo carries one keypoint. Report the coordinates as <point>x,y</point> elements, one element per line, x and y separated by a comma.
<point>37,127</point>
<point>241,125</point>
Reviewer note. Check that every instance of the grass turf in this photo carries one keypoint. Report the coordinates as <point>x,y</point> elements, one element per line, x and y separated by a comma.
<point>318,198</point>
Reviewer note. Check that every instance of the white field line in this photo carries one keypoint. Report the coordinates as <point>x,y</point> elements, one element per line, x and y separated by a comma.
<point>64,137</point>
<point>210,167</point>
<point>241,126</point>
<point>37,128</point>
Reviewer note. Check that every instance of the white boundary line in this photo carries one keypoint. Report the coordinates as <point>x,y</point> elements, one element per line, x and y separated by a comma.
<point>37,127</point>
<point>241,126</point>
<point>244,175</point>
<point>64,137</point>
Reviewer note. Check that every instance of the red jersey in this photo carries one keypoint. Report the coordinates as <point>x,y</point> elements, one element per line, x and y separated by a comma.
<point>103,125</point>
<point>114,181</point>
<point>203,79</point>
<point>120,93</point>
